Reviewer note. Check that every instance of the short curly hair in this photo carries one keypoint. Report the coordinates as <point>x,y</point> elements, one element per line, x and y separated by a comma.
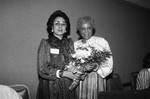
<point>81,21</point>
<point>146,61</point>
<point>53,16</point>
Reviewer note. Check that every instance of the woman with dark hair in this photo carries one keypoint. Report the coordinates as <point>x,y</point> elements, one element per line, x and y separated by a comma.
<point>95,81</point>
<point>53,54</point>
<point>143,77</point>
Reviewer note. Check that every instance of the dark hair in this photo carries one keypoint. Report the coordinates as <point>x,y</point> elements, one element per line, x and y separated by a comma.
<point>51,19</point>
<point>82,20</point>
<point>146,61</point>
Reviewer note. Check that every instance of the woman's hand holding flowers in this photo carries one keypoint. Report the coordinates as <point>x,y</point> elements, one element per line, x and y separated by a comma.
<point>83,76</point>
<point>90,67</point>
<point>70,75</point>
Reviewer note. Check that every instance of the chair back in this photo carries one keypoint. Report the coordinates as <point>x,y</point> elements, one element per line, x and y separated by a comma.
<point>133,80</point>
<point>114,83</point>
<point>22,90</point>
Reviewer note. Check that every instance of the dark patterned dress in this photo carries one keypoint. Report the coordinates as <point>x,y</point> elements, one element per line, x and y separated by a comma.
<point>52,56</point>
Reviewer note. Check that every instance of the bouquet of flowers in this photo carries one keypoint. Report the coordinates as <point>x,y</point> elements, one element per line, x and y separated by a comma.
<point>83,57</point>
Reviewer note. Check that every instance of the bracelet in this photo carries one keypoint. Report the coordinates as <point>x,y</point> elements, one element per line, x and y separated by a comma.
<point>57,73</point>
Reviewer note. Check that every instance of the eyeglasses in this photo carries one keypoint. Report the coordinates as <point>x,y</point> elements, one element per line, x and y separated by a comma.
<point>88,28</point>
<point>60,24</point>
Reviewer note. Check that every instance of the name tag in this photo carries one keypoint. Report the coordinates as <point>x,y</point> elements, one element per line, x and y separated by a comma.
<point>54,51</point>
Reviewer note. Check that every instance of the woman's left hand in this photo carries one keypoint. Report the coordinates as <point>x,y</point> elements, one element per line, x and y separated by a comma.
<point>83,76</point>
<point>91,67</point>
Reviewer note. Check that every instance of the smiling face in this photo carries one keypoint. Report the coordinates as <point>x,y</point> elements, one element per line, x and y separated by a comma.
<point>59,27</point>
<point>86,30</point>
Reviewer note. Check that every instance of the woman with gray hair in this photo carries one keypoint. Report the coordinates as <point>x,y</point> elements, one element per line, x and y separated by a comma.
<point>95,81</point>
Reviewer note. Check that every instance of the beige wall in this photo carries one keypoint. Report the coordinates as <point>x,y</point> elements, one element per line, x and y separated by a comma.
<point>23,25</point>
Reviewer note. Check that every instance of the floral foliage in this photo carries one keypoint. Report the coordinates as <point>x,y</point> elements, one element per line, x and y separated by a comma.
<point>84,57</point>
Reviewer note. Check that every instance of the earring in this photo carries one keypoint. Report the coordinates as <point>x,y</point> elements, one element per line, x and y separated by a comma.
<point>52,30</point>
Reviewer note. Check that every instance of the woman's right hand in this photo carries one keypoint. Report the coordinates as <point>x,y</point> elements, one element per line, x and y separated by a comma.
<point>70,75</point>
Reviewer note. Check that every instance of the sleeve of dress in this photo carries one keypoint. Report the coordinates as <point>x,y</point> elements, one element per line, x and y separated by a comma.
<point>143,79</point>
<point>106,68</point>
<point>45,70</point>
